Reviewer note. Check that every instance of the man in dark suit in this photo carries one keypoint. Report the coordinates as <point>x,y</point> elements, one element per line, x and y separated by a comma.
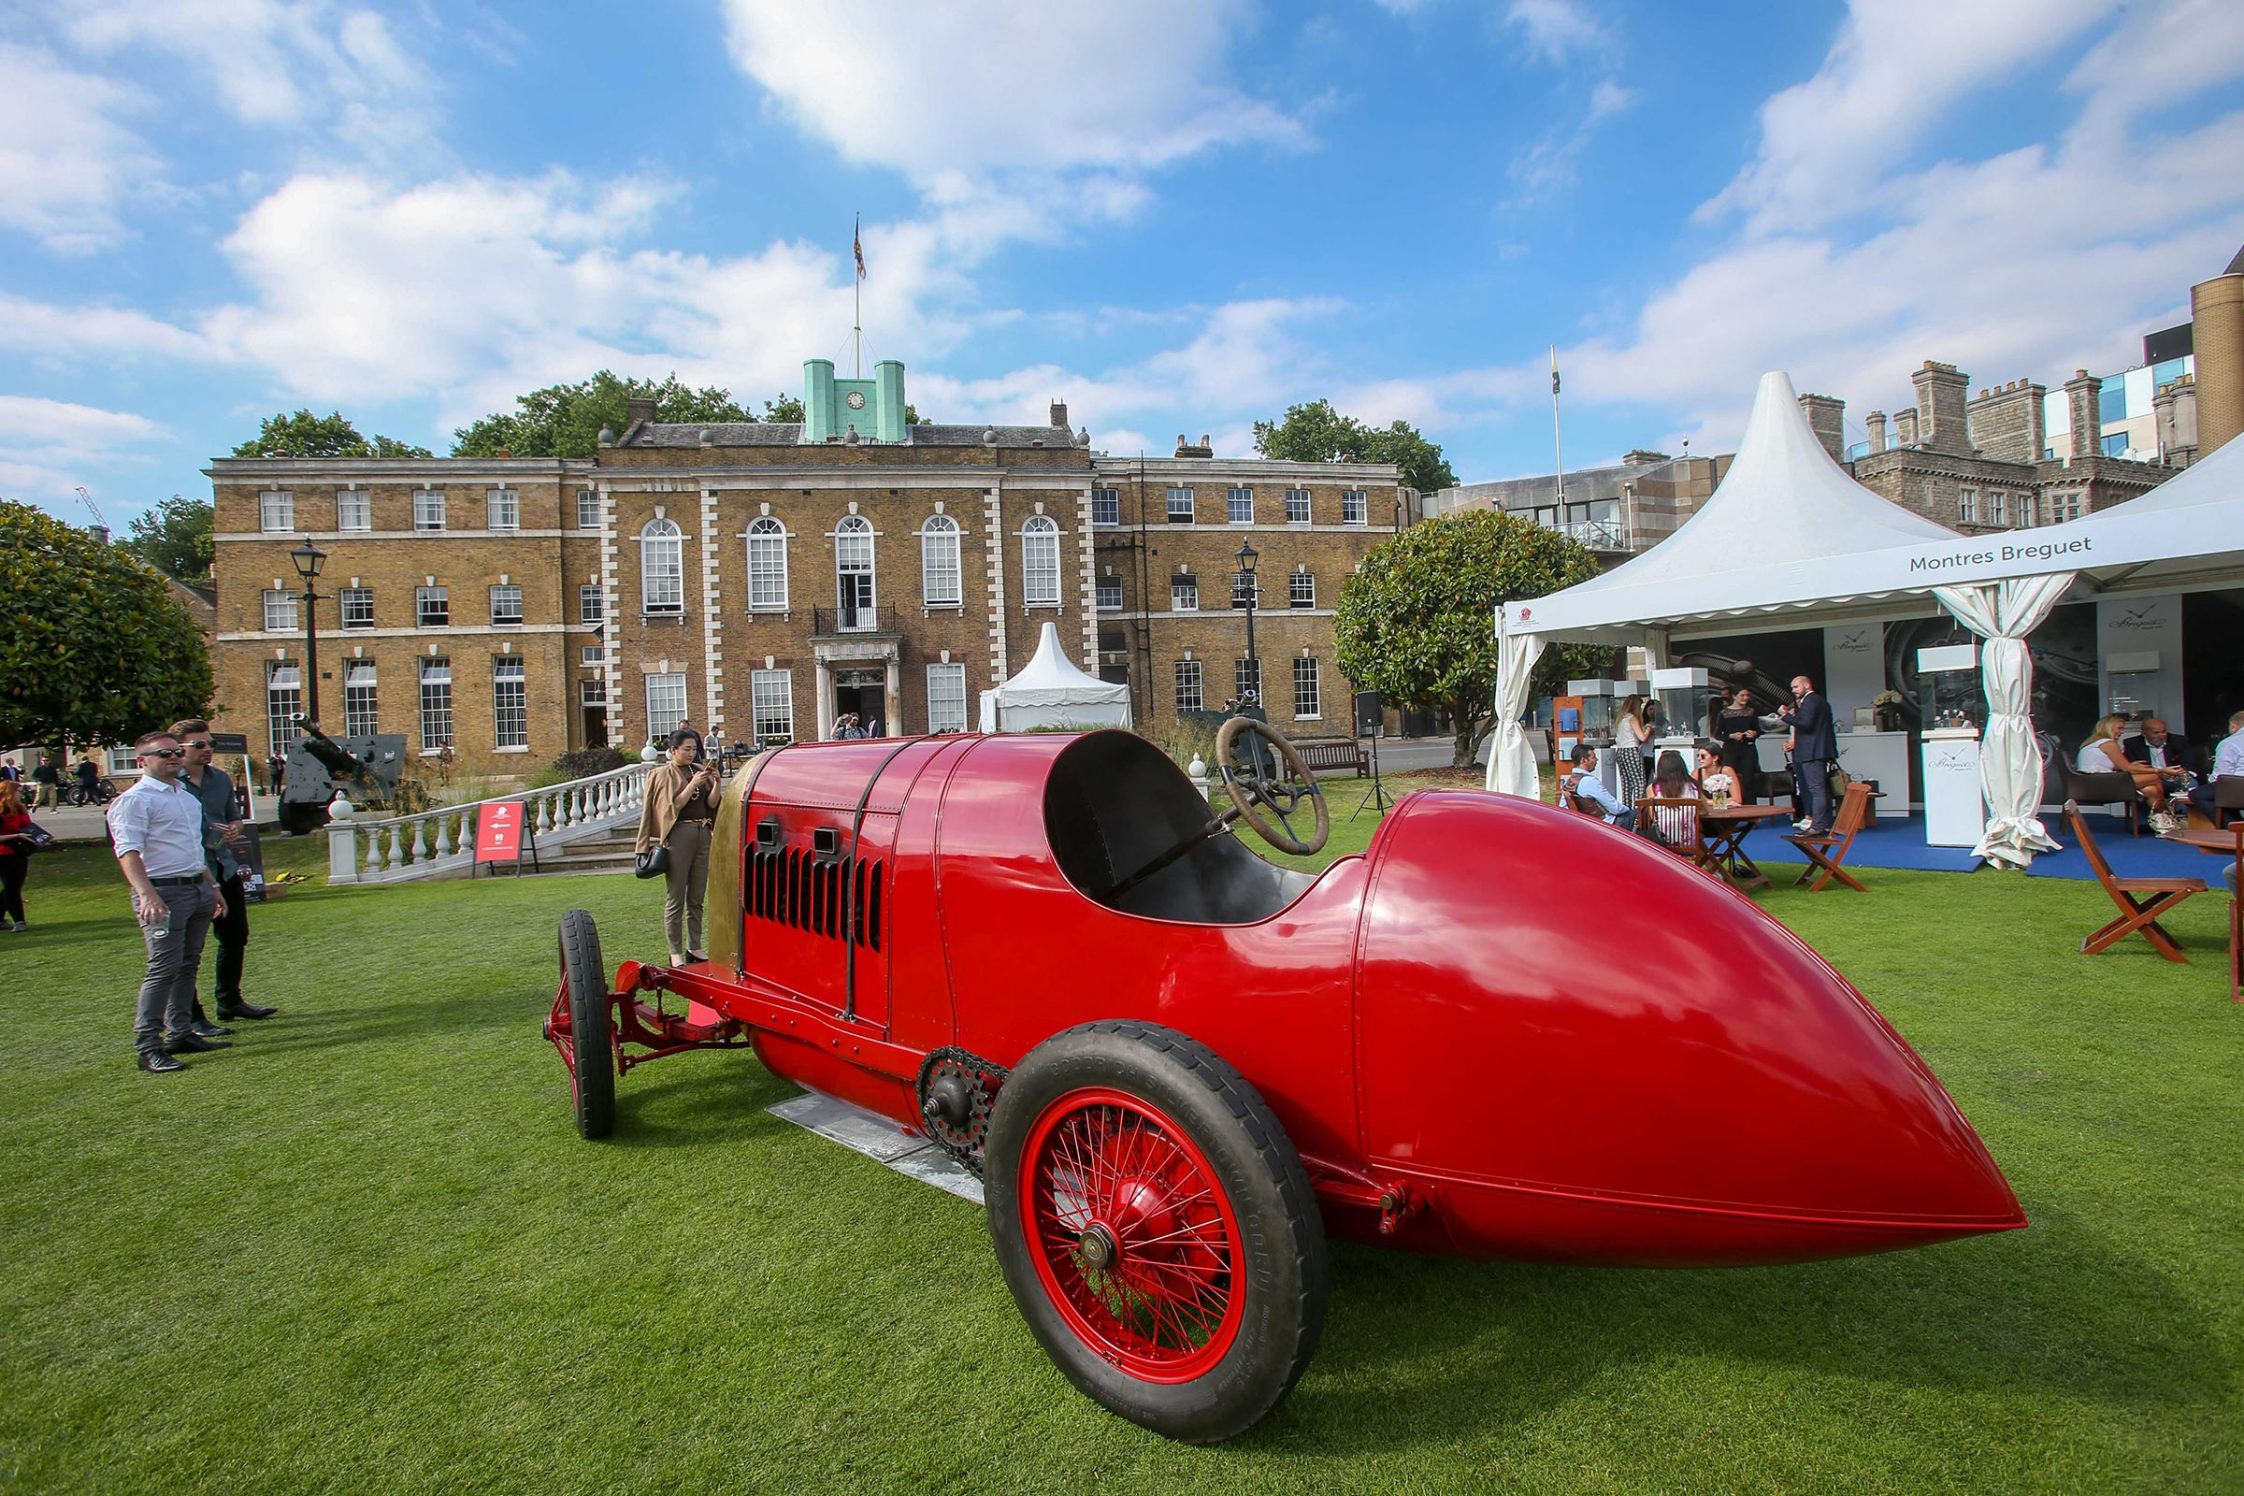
<point>2164,751</point>
<point>1814,747</point>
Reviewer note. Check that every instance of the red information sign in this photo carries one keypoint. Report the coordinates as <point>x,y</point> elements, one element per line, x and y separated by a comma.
<point>498,832</point>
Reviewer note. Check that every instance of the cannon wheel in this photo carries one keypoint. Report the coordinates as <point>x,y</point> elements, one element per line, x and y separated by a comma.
<point>298,818</point>
<point>1156,1228</point>
<point>591,1027</point>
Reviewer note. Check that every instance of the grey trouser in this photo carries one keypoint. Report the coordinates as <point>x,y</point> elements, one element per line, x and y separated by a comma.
<point>167,993</point>
<point>685,885</point>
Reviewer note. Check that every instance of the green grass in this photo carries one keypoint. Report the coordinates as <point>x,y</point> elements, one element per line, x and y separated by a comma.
<point>364,1251</point>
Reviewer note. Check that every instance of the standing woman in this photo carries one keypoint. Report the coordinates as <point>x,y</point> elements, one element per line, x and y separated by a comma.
<point>1737,727</point>
<point>1630,734</point>
<point>15,854</point>
<point>679,811</point>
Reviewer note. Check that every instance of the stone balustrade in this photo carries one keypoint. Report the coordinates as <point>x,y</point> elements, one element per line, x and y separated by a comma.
<point>441,843</point>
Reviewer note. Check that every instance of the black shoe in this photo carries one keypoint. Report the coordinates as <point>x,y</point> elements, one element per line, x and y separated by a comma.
<point>235,1008</point>
<point>156,1062</point>
<point>205,1029</point>
<point>194,1044</point>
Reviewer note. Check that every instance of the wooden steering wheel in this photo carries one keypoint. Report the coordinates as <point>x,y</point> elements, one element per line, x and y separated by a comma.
<point>1251,755</point>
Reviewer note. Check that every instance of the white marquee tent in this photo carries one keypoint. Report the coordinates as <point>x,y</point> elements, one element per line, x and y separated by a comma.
<point>1788,539</point>
<point>1052,691</point>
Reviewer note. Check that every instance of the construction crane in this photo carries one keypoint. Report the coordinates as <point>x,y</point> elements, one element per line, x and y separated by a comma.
<point>101,521</point>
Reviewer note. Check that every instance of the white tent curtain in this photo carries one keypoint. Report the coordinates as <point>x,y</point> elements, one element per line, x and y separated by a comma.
<point>1511,763</point>
<point>2010,765</point>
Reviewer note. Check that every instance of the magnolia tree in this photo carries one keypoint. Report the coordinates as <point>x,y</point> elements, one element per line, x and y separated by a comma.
<point>1418,623</point>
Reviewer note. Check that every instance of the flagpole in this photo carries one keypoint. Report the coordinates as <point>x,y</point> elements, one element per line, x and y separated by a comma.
<point>1558,446</point>
<point>857,290</point>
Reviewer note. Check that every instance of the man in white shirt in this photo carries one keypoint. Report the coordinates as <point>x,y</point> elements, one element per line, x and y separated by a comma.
<point>2228,763</point>
<point>156,827</point>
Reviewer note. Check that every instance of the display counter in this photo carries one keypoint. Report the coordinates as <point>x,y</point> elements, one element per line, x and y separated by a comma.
<point>1955,808</point>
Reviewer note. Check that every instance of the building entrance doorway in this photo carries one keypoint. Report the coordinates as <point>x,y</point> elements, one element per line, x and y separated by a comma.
<point>864,692</point>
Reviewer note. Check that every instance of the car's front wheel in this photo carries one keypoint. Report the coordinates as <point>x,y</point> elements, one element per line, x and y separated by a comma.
<point>591,1027</point>
<point>1156,1228</point>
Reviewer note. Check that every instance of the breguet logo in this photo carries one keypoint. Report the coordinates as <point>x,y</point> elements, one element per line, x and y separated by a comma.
<point>1857,642</point>
<point>2145,617</point>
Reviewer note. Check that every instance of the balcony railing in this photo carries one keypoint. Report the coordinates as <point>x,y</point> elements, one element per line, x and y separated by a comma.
<point>441,843</point>
<point>833,623</point>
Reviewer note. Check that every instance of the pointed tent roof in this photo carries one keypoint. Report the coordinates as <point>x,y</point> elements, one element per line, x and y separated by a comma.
<point>1782,527</point>
<point>1052,690</point>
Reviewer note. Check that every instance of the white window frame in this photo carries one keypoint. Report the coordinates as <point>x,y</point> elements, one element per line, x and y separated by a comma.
<point>857,532</point>
<point>681,710</point>
<point>1998,506</point>
<point>588,508</point>
<point>937,535</point>
<point>1106,506</point>
<point>1301,590</point>
<point>499,591</point>
<point>276,511</point>
<point>1107,598</point>
<point>1355,507</point>
<point>437,716</point>
<point>1189,683</point>
<point>662,569</point>
<point>354,509</point>
<point>768,535</point>
<point>1309,708</point>
<point>592,603</point>
<point>502,509</point>
<point>510,703</point>
<point>1297,506</point>
<point>593,654</point>
<point>1967,506</point>
<point>354,607</point>
<point>422,597</point>
<point>1231,501</point>
<point>281,616</point>
<point>361,698</point>
<point>946,707</point>
<point>1040,574</point>
<point>284,702</point>
<point>1189,514</point>
<point>1184,594</point>
<point>428,509</point>
<point>771,704</point>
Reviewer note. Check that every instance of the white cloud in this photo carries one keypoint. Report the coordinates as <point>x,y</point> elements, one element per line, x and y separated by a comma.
<point>1556,29</point>
<point>1554,160</point>
<point>71,335</point>
<point>66,159</point>
<point>48,447</point>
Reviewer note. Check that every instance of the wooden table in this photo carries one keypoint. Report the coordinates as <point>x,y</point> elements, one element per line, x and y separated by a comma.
<point>2231,842</point>
<point>1723,829</point>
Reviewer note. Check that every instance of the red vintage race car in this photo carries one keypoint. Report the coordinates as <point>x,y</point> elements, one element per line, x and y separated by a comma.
<point>1501,1031</point>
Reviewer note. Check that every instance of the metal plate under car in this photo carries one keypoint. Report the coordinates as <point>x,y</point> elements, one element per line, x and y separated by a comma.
<point>881,1140</point>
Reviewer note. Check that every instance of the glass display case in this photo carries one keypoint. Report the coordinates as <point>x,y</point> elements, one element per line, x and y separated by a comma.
<point>1686,703</point>
<point>2134,684</point>
<point>1600,702</point>
<point>1949,695</point>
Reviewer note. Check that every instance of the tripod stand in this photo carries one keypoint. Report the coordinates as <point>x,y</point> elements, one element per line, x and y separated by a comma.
<point>1377,794</point>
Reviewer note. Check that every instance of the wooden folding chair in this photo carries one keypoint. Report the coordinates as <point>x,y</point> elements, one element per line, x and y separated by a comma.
<point>1692,848</point>
<point>2136,914</point>
<point>1826,851</point>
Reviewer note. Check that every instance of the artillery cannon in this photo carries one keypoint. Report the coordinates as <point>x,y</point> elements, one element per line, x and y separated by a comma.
<point>364,765</point>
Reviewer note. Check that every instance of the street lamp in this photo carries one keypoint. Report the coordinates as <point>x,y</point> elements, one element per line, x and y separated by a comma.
<point>309,558</point>
<point>1247,556</point>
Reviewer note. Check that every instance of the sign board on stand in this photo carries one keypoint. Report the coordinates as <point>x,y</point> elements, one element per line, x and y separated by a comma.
<point>502,835</point>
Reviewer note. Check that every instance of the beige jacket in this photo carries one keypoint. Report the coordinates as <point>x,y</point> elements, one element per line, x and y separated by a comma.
<point>669,791</point>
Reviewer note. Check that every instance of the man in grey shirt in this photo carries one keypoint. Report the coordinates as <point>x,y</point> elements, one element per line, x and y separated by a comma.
<point>222,833</point>
<point>156,827</point>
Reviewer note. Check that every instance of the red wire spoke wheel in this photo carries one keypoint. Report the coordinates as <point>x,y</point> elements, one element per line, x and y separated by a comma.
<point>592,1081</point>
<point>1156,1228</point>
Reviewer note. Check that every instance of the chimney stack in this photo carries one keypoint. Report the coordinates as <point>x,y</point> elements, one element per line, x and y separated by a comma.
<point>2084,405</point>
<point>637,411</point>
<point>1827,419</point>
<point>1876,421</point>
<point>1905,426</point>
<point>1059,413</point>
<point>2006,422</point>
<point>1941,396</point>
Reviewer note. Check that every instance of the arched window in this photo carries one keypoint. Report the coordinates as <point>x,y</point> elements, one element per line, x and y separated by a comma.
<point>662,568</point>
<point>853,572</point>
<point>767,565</point>
<point>939,579</point>
<point>1040,562</point>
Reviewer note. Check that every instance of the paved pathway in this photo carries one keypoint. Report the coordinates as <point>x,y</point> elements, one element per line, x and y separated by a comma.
<point>72,822</point>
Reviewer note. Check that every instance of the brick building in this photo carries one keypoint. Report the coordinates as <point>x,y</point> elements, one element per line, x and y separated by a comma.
<point>759,579</point>
<point>1616,510</point>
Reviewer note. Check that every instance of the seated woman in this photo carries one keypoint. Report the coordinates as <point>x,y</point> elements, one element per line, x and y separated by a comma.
<point>2101,754</point>
<point>1716,779</point>
<point>1673,825</point>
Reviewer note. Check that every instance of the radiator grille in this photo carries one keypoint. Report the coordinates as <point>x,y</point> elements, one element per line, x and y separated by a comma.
<point>790,886</point>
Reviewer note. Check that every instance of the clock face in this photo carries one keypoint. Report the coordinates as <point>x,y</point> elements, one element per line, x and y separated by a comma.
<point>856,400</point>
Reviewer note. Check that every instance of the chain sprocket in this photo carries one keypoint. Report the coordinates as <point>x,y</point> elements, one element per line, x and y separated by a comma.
<point>956,1090</point>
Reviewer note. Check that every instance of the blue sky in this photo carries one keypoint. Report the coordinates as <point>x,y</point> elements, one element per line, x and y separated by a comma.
<point>1177,215</point>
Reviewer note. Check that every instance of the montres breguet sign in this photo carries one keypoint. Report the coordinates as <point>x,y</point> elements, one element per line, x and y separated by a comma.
<point>1998,555</point>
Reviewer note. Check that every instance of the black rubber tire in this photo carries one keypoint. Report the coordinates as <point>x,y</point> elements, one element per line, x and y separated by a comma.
<point>302,820</point>
<point>591,1026</point>
<point>1282,1234</point>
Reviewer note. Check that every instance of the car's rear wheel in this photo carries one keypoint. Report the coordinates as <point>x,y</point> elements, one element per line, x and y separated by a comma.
<point>1156,1228</point>
<point>591,1026</point>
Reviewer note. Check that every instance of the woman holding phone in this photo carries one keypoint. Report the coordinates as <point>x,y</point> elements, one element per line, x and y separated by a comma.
<point>679,812</point>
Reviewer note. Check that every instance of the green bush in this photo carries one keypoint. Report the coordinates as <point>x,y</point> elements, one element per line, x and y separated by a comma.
<point>581,763</point>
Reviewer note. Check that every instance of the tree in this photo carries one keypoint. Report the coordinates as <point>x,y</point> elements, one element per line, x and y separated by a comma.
<point>1317,433</point>
<point>302,434</point>
<point>174,537</point>
<point>96,650</point>
<point>1418,622</point>
<point>564,420</point>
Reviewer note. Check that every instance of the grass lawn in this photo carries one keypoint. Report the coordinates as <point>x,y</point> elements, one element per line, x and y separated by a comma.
<point>364,1250</point>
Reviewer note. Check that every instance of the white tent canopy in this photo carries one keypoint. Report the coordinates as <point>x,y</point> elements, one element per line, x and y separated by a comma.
<point>1789,540</point>
<point>1052,691</point>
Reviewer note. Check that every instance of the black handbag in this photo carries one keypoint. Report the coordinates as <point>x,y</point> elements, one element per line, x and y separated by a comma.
<point>652,864</point>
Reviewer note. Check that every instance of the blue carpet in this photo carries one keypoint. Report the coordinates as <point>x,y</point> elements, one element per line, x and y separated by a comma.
<point>1899,842</point>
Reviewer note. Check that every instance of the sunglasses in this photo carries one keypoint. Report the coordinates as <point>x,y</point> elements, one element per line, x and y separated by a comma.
<point>165,753</point>
<point>196,743</point>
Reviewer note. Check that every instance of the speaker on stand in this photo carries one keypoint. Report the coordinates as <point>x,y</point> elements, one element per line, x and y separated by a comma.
<point>1371,722</point>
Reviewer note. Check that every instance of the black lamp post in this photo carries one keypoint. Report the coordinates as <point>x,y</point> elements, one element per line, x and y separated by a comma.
<point>1247,556</point>
<point>309,558</point>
